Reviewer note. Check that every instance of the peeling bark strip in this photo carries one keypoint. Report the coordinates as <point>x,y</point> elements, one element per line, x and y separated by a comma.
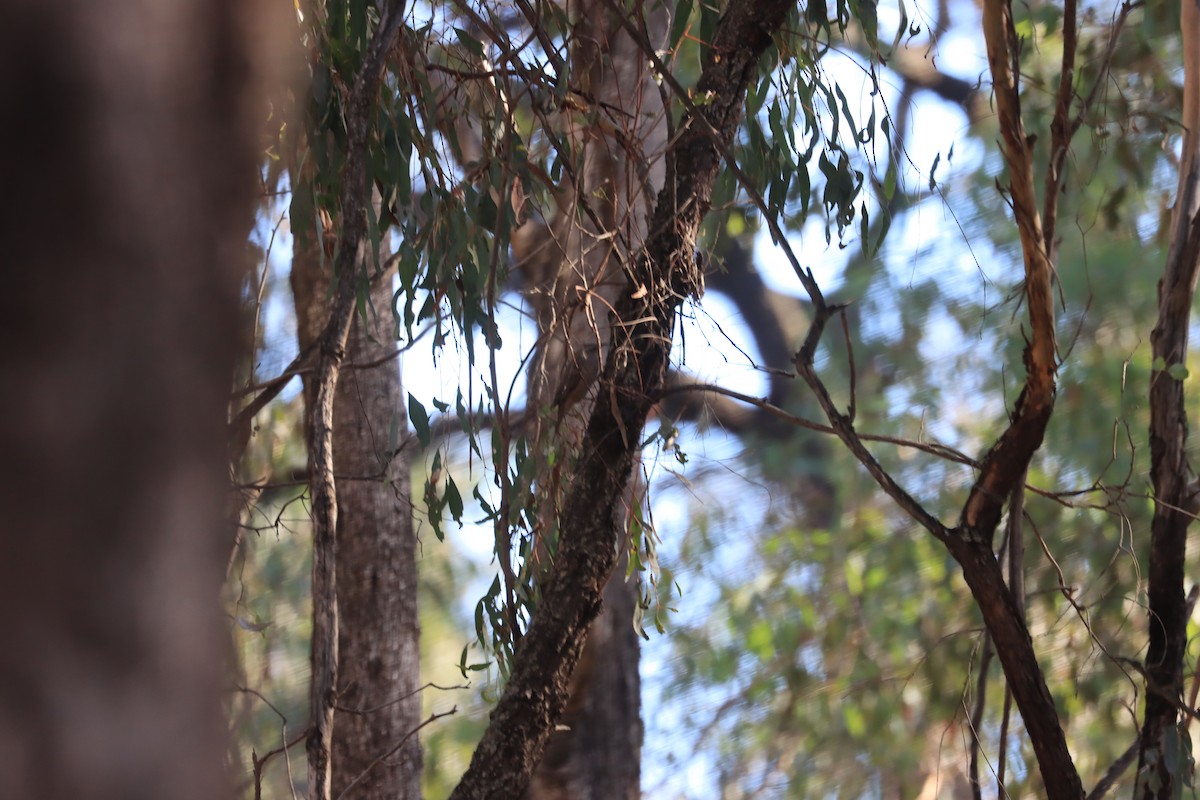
<point>319,422</point>
<point>1168,459</point>
<point>633,373</point>
<point>1005,463</point>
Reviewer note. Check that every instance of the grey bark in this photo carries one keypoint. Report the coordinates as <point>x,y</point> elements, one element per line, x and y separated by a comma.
<point>319,418</point>
<point>128,170</point>
<point>378,631</point>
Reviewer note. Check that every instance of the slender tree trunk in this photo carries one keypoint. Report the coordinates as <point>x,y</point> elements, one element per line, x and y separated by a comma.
<point>1163,751</point>
<point>378,645</point>
<point>128,167</point>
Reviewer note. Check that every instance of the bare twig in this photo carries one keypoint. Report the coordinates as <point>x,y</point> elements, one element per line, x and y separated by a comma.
<point>1114,772</point>
<point>260,762</point>
<point>401,698</point>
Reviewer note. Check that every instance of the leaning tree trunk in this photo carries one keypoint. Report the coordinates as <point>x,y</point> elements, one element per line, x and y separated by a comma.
<point>377,704</point>
<point>129,168</point>
<point>576,275</point>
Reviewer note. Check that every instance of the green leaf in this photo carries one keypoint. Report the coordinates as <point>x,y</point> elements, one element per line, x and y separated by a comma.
<point>420,420</point>
<point>864,226</point>
<point>868,18</point>
<point>854,568</point>
<point>902,26</point>
<point>1178,371</point>
<point>357,29</point>
<point>683,15</point>
<point>710,13</point>
<point>760,640</point>
<point>473,45</point>
<point>454,500</point>
<point>462,661</point>
<point>479,626</point>
<point>856,723</point>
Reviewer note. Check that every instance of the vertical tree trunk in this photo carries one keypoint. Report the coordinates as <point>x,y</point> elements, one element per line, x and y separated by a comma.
<point>1162,762</point>
<point>129,168</point>
<point>378,643</point>
<point>608,735</point>
<point>596,752</point>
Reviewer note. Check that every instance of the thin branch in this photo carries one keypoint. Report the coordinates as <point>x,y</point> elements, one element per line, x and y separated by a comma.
<point>932,448</point>
<point>1064,126</point>
<point>501,525</point>
<point>852,404</point>
<point>1060,127</point>
<point>1012,451</point>
<point>1114,772</point>
<point>401,698</point>
<point>259,763</point>
<point>240,426</point>
<point>976,720</point>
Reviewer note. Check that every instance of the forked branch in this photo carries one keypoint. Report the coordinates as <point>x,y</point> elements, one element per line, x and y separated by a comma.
<point>1002,467</point>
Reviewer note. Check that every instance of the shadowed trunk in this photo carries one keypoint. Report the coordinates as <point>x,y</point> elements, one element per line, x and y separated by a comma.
<point>129,171</point>
<point>1165,753</point>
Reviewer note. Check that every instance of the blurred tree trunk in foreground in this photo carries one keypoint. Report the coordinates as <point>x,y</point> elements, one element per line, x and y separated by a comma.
<point>127,149</point>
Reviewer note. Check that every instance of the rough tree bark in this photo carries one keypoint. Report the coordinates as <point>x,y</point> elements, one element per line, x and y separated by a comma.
<point>129,160</point>
<point>1161,745</point>
<point>330,352</point>
<point>659,278</point>
<point>378,632</point>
